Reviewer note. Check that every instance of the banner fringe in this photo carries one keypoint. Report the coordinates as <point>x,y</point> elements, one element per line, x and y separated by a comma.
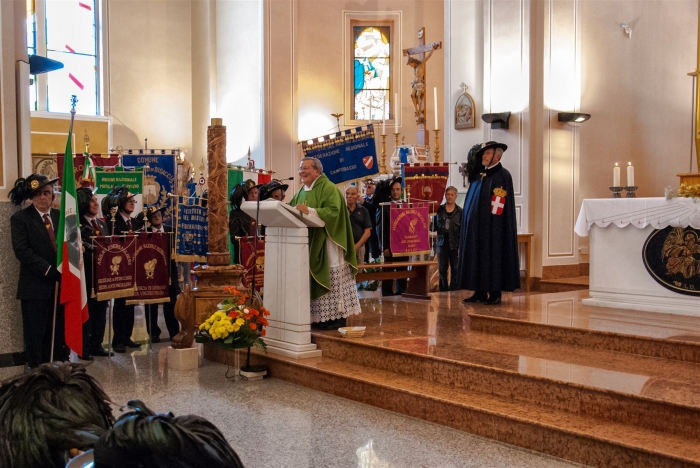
<point>103,296</point>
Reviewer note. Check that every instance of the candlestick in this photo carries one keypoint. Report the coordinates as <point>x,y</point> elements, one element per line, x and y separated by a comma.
<point>436,107</point>
<point>630,174</point>
<point>630,191</point>
<point>616,191</point>
<point>616,175</point>
<point>383,166</point>
<point>436,158</point>
<point>384,126</point>
<point>396,114</point>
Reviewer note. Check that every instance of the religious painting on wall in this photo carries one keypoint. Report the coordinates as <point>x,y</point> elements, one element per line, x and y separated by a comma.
<point>464,111</point>
<point>672,257</point>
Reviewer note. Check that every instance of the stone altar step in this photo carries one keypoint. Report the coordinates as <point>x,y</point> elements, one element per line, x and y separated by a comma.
<point>489,403</point>
<point>563,284</point>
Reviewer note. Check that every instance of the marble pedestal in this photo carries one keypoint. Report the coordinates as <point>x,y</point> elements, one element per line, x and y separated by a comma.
<point>618,277</point>
<point>183,359</point>
<point>287,292</point>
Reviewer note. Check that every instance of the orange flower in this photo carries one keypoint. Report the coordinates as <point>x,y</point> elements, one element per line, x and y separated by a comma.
<point>232,314</point>
<point>262,333</point>
<point>231,289</point>
<point>265,311</point>
<point>263,321</point>
<point>253,326</point>
<point>255,312</point>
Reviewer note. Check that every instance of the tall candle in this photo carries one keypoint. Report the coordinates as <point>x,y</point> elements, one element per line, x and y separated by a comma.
<point>384,115</point>
<point>396,112</point>
<point>630,174</point>
<point>436,107</point>
<point>383,126</point>
<point>616,176</point>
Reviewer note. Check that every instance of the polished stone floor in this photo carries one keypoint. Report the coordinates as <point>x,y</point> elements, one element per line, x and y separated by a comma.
<point>441,327</point>
<point>272,423</point>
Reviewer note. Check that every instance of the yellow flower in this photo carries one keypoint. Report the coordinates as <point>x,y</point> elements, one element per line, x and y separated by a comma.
<point>236,326</point>
<point>240,321</point>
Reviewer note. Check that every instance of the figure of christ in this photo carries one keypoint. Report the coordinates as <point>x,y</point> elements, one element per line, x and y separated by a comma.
<point>418,85</point>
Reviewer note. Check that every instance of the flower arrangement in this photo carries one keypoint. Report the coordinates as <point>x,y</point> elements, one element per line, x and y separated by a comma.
<point>684,191</point>
<point>235,324</point>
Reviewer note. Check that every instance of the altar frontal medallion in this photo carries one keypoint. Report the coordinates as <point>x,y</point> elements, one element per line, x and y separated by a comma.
<point>672,257</point>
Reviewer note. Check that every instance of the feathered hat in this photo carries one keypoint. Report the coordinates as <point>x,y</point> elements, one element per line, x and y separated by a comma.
<point>117,197</point>
<point>270,187</point>
<point>84,198</point>
<point>27,188</point>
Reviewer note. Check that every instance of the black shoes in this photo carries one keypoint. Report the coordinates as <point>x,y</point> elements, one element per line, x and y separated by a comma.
<point>155,339</point>
<point>476,297</point>
<point>101,352</point>
<point>494,298</point>
<point>133,344</point>
<point>119,348</point>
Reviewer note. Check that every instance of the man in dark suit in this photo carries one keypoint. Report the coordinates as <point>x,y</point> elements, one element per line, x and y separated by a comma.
<point>155,219</point>
<point>34,243</point>
<point>91,226</point>
<point>123,317</point>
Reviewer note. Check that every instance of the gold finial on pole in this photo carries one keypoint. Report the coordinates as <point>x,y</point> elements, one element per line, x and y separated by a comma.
<point>383,166</point>
<point>86,139</point>
<point>436,156</point>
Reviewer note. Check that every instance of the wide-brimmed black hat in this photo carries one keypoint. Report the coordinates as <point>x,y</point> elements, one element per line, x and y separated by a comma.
<point>117,197</point>
<point>270,187</point>
<point>151,210</point>
<point>27,188</point>
<point>489,145</point>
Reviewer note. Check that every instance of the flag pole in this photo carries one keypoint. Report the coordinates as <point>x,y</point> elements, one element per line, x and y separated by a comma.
<point>73,102</point>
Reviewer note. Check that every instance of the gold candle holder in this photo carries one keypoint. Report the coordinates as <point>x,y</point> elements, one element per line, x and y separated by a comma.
<point>437,146</point>
<point>396,142</point>
<point>383,166</point>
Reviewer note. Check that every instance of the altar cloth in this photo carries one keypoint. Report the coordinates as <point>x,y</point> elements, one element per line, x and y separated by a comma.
<point>638,212</point>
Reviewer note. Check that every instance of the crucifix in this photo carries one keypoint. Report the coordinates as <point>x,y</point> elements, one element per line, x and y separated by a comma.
<point>418,83</point>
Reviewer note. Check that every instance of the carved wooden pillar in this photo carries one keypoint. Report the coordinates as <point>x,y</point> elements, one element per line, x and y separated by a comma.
<point>217,205</point>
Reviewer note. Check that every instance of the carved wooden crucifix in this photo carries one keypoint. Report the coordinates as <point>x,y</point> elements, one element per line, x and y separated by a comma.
<point>418,86</point>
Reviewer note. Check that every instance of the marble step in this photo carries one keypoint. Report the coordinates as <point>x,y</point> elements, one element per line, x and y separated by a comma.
<point>563,284</point>
<point>559,318</point>
<point>557,432</point>
<point>618,406</point>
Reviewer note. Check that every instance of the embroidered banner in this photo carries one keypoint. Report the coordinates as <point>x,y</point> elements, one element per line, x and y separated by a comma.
<point>114,267</point>
<point>152,265</point>
<point>249,262</point>
<point>426,182</point>
<point>106,179</point>
<point>409,229</point>
<point>97,159</point>
<point>347,155</point>
<point>158,178</point>
<point>191,232</point>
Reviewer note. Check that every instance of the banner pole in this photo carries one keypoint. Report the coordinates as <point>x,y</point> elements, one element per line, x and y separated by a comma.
<point>109,334</point>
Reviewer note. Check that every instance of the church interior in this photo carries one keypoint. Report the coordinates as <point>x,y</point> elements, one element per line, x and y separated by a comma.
<point>593,361</point>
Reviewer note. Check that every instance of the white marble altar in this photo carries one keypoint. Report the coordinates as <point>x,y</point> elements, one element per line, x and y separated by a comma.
<point>618,231</point>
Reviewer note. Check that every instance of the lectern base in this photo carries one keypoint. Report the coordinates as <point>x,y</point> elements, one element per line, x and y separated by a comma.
<point>291,350</point>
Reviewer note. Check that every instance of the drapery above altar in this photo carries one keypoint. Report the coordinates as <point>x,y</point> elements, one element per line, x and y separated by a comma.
<point>639,212</point>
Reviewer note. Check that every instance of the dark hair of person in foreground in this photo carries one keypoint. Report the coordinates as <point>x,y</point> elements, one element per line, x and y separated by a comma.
<point>142,438</point>
<point>49,411</point>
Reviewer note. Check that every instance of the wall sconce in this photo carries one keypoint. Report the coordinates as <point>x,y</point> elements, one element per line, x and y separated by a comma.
<point>39,64</point>
<point>627,30</point>
<point>573,117</point>
<point>498,120</point>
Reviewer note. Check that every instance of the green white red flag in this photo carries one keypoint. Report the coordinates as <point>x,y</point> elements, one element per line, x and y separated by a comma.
<point>73,294</point>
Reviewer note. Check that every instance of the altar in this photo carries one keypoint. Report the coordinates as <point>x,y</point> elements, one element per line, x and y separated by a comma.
<point>619,229</point>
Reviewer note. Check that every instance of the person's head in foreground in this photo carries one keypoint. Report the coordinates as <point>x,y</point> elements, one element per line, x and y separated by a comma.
<point>274,190</point>
<point>49,414</point>
<point>142,438</point>
<point>310,169</point>
<point>491,153</point>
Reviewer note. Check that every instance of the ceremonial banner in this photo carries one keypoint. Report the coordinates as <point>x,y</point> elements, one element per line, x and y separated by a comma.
<point>426,182</point>
<point>409,229</point>
<point>152,265</point>
<point>114,267</point>
<point>96,159</point>
<point>249,262</point>
<point>347,155</point>
<point>106,179</point>
<point>158,179</point>
<point>191,233</point>
<point>70,258</point>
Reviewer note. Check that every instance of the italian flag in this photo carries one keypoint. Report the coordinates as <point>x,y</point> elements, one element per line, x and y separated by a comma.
<point>70,258</point>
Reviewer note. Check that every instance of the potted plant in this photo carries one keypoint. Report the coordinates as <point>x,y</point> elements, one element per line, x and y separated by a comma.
<point>235,324</point>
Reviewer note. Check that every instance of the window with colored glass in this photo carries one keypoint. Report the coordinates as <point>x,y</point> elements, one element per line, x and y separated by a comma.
<point>372,73</point>
<point>69,35</point>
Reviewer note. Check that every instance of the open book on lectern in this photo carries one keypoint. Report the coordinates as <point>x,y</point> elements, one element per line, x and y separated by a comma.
<point>274,213</point>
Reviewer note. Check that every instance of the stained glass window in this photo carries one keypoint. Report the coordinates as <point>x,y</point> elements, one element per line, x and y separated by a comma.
<point>371,73</point>
<point>69,35</point>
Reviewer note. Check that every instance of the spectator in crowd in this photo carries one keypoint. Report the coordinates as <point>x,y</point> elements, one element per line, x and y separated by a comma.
<point>368,201</point>
<point>448,221</point>
<point>359,221</point>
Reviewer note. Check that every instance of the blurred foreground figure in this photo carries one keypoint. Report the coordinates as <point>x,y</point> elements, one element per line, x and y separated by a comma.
<point>49,411</point>
<point>143,438</point>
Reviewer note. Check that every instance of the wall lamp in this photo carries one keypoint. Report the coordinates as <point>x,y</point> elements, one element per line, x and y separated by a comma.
<point>39,64</point>
<point>573,117</point>
<point>499,120</point>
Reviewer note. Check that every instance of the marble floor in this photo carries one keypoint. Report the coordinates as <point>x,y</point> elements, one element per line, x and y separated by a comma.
<point>272,423</point>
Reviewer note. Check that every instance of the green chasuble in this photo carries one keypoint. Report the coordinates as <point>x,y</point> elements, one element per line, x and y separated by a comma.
<point>330,206</point>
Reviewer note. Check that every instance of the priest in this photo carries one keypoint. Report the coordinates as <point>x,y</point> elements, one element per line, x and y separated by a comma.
<point>332,260</point>
<point>489,262</point>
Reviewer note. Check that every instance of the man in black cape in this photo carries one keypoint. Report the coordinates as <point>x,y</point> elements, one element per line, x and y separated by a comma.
<point>489,261</point>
